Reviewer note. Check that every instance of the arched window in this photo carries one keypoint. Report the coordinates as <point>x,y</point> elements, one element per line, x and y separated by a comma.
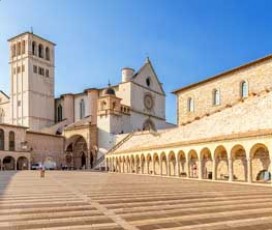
<point>216,97</point>
<point>47,54</point>
<point>2,115</point>
<point>11,141</point>
<point>190,104</point>
<point>23,47</point>
<point>2,139</point>
<point>82,109</point>
<point>19,48</point>
<point>13,50</point>
<point>59,113</point>
<point>41,51</point>
<point>34,48</point>
<point>244,89</point>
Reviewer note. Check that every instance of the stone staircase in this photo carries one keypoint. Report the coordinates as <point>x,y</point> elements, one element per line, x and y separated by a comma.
<point>78,200</point>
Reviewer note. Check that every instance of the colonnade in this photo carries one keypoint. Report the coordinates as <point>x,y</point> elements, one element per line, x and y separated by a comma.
<point>237,162</point>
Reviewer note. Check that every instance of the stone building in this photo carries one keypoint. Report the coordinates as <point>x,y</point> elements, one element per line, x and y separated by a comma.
<point>76,129</point>
<point>224,131</point>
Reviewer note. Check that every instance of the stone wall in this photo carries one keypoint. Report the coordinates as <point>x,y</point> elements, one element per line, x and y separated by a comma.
<point>257,75</point>
<point>44,146</point>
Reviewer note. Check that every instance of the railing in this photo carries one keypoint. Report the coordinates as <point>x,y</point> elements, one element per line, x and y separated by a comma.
<point>120,142</point>
<point>99,161</point>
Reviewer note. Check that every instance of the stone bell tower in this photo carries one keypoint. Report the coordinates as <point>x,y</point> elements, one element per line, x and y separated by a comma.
<point>32,74</point>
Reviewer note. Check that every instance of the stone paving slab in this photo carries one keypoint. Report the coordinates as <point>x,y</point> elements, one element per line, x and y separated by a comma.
<point>78,200</point>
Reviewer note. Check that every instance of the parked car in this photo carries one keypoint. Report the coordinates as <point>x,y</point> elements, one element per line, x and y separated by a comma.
<point>36,166</point>
<point>50,165</point>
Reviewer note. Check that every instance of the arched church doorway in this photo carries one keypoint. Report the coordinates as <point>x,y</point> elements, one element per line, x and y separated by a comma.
<point>76,153</point>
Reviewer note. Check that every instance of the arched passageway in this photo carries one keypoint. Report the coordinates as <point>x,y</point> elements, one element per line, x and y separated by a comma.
<point>260,163</point>
<point>239,163</point>
<point>156,163</point>
<point>143,165</point>
<point>193,164</point>
<point>172,164</point>
<point>8,163</point>
<point>22,163</point>
<point>163,161</point>
<point>149,164</point>
<point>182,164</point>
<point>137,166</point>
<point>207,164</point>
<point>221,163</point>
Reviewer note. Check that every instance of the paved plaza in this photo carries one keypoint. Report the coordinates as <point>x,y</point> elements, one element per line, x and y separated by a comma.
<point>89,200</point>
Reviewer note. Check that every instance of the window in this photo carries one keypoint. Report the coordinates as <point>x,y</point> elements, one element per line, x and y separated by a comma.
<point>41,71</point>
<point>59,113</point>
<point>190,104</point>
<point>47,73</point>
<point>34,48</point>
<point>148,82</point>
<point>216,97</point>
<point>47,54</point>
<point>18,69</point>
<point>19,48</point>
<point>11,141</point>
<point>2,139</point>
<point>81,109</point>
<point>19,103</point>
<point>23,68</point>
<point>2,116</point>
<point>41,55</point>
<point>244,89</point>
<point>13,50</point>
<point>23,47</point>
<point>35,69</point>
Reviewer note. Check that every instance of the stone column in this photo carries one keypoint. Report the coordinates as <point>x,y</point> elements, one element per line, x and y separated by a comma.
<point>106,164</point>
<point>230,169</point>
<point>153,167</point>
<point>249,171</point>
<point>214,169</point>
<point>177,170</point>
<point>200,170</point>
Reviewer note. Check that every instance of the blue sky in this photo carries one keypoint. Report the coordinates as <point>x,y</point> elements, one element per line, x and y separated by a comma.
<point>187,41</point>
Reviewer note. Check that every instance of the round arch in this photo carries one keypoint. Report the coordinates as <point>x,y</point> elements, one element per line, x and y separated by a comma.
<point>143,165</point>
<point>260,163</point>
<point>207,163</point>
<point>193,164</point>
<point>163,160</point>
<point>221,163</point>
<point>156,163</point>
<point>138,164</point>
<point>239,163</point>
<point>9,163</point>
<point>182,166</point>
<point>22,163</point>
<point>76,152</point>
<point>172,163</point>
<point>149,163</point>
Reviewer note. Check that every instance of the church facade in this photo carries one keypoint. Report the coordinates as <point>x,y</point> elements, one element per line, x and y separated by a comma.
<point>74,130</point>
<point>224,131</point>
